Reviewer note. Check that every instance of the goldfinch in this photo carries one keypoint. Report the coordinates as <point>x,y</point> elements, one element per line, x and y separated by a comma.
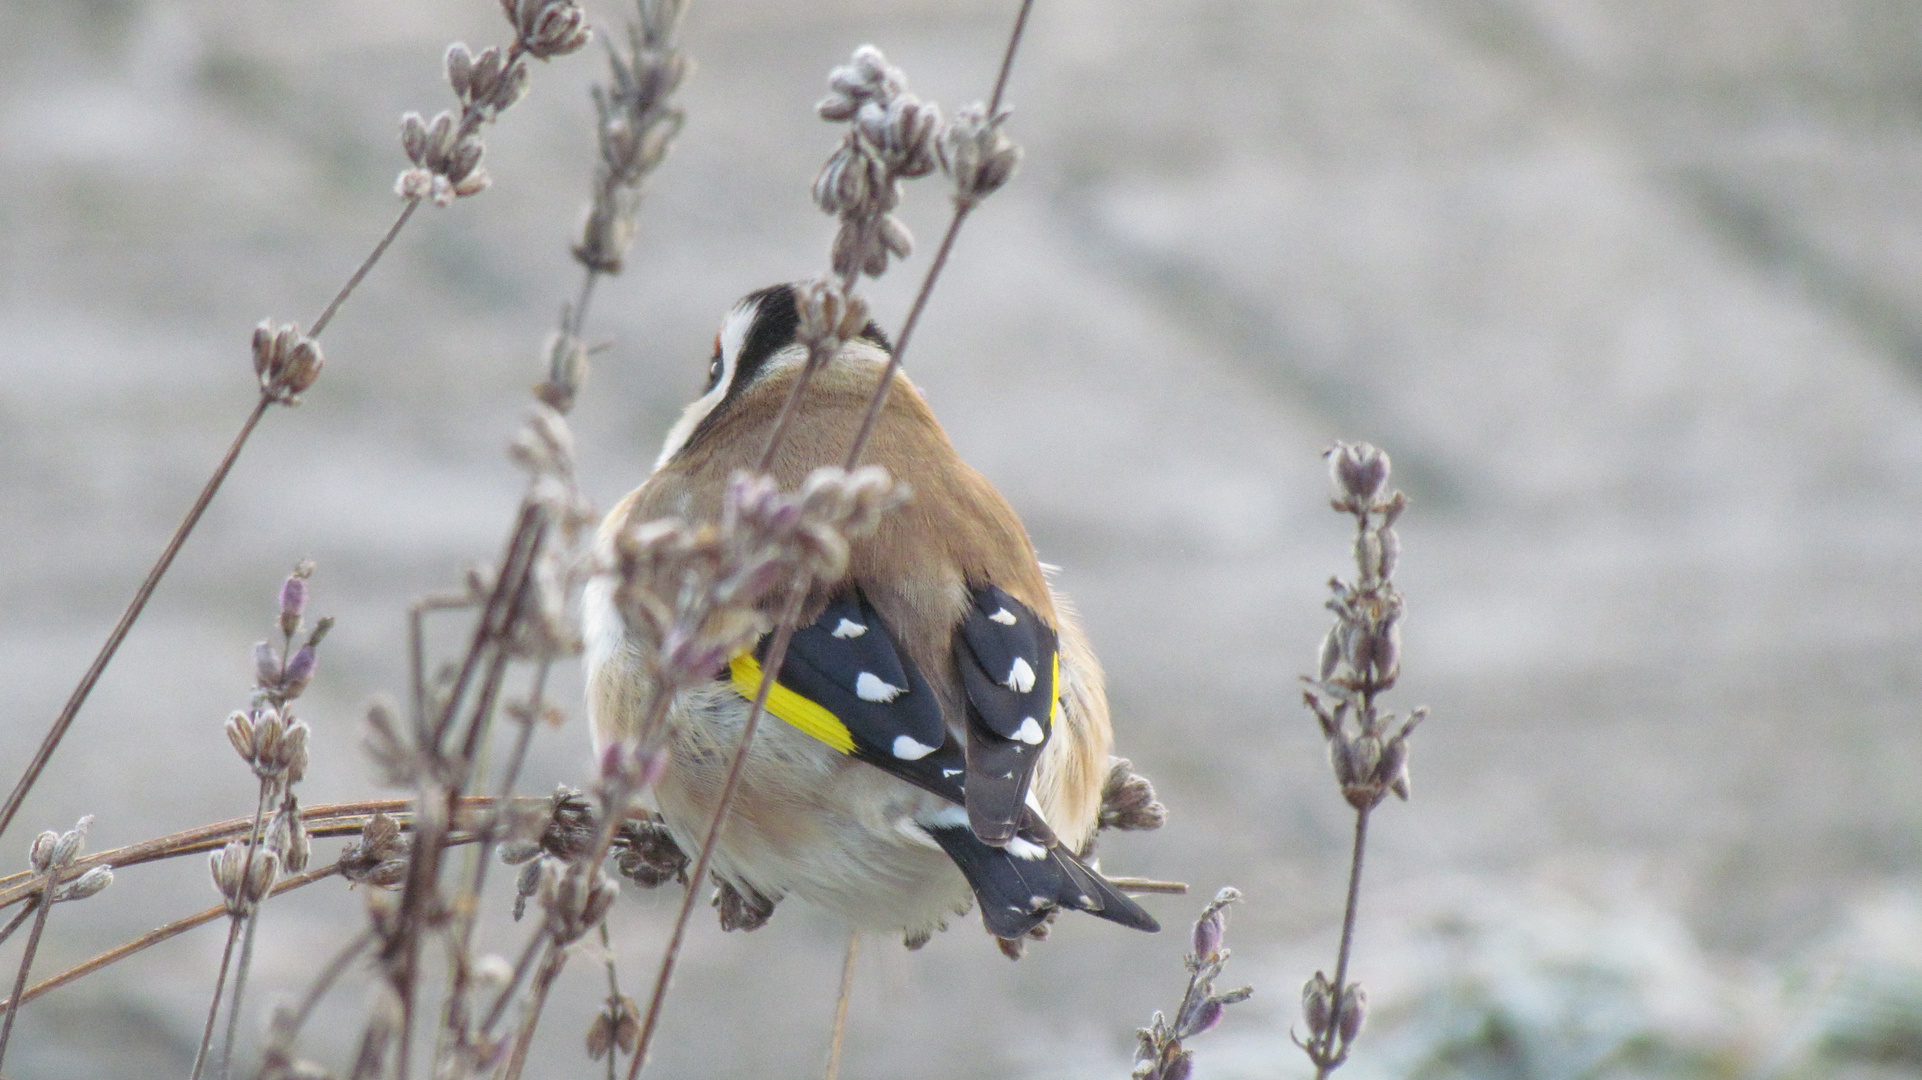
<point>943,731</point>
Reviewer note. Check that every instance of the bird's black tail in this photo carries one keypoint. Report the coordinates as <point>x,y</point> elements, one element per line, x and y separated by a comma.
<point>1018,885</point>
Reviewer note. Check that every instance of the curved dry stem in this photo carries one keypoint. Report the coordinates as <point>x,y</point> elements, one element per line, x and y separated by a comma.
<point>155,937</point>
<point>322,820</point>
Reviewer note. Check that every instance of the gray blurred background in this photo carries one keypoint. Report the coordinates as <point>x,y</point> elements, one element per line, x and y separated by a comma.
<point>1628,287</point>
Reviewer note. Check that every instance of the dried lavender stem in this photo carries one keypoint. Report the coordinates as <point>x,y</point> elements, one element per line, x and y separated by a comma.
<point>329,975</point>
<point>220,987</point>
<point>19,917</point>
<point>577,314</point>
<point>233,934</point>
<point>240,993</point>
<point>26,958</point>
<point>515,560</point>
<point>841,1006</point>
<point>155,937</point>
<point>962,207</point>
<point>253,924</point>
<point>139,603</point>
<point>535,948</point>
<point>361,271</point>
<point>417,645</point>
<point>613,995</point>
<point>489,833</point>
<point>550,970</point>
<point>1007,58</point>
<point>770,671</point>
<point>1328,1063</point>
<point>880,398</point>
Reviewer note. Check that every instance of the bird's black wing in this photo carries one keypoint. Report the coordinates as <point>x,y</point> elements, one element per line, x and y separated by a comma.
<point>1010,668</point>
<point>846,683</point>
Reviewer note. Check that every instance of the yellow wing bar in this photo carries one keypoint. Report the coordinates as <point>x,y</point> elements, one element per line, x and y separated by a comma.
<point>811,717</point>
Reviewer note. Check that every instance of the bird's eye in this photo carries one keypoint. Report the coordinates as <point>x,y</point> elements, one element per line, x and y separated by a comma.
<point>713,371</point>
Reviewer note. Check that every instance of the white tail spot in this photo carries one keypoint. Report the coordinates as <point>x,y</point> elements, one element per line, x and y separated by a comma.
<point>849,629</point>
<point>1003,616</point>
<point>1026,849</point>
<point>1030,732</point>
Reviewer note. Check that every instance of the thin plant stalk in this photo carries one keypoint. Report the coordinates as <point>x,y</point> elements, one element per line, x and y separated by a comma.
<point>26,958</point>
<point>14,923</point>
<point>544,982</point>
<point>155,937</point>
<point>776,656</point>
<point>613,998</point>
<point>841,1006</point>
<point>58,731</point>
<point>962,208</point>
<point>1329,1063</point>
<point>64,721</point>
<point>236,921</point>
<point>329,975</point>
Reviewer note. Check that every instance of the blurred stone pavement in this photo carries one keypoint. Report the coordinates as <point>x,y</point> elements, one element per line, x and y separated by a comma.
<point>1629,288</point>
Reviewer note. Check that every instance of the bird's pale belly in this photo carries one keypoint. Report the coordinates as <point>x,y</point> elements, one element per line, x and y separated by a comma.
<point>807,820</point>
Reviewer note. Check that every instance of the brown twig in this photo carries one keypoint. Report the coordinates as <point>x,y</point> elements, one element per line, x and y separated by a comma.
<point>155,937</point>
<point>323,820</point>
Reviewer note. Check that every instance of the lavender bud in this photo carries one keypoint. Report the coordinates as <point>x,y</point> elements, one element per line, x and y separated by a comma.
<point>1208,934</point>
<point>1390,553</point>
<point>68,847</point>
<point>293,602</point>
<point>413,139</point>
<point>1354,1010</point>
<point>240,732</point>
<point>266,665</point>
<point>1330,655</point>
<point>1317,1010</point>
<point>1205,1017</point>
<point>263,349</point>
<point>460,70</point>
<point>87,884</point>
<point>300,670</point>
<point>1359,471</point>
<point>1179,1067</point>
<point>40,855</point>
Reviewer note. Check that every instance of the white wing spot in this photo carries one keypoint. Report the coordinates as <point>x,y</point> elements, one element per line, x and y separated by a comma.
<point>1003,616</point>
<point>1026,849</point>
<point>908,749</point>
<point>871,687</point>
<point>1030,732</point>
<point>950,772</point>
<point>1020,676</point>
<point>849,629</point>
